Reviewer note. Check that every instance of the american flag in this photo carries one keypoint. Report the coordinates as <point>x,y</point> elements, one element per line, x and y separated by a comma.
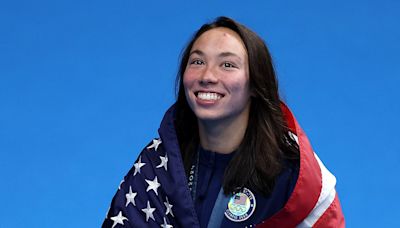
<point>314,201</point>
<point>150,195</point>
<point>155,191</point>
<point>239,199</point>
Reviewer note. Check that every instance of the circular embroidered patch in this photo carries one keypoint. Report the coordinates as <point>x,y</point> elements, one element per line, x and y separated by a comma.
<point>241,206</point>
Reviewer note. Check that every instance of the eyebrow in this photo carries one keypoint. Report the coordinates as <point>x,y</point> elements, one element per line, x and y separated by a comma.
<point>227,54</point>
<point>220,55</point>
<point>196,52</point>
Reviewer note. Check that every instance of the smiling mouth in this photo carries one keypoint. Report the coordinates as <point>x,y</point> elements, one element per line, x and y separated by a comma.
<point>208,96</point>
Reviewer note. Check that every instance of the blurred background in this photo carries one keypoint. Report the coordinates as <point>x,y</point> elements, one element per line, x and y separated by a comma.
<point>84,85</point>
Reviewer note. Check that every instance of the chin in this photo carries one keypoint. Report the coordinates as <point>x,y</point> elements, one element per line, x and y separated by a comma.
<point>207,116</point>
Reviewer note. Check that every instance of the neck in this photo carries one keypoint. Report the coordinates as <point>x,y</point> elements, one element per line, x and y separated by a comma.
<point>222,136</point>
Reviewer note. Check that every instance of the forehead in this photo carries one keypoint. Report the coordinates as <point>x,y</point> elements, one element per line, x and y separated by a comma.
<point>220,40</point>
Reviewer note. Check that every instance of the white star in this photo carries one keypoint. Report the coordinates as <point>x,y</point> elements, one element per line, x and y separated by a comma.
<point>153,185</point>
<point>119,187</point>
<point>119,219</point>
<point>138,165</point>
<point>169,208</point>
<point>164,161</point>
<point>149,212</point>
<point>130,197</point>
<point>156,143</point>
<point>166,225</point>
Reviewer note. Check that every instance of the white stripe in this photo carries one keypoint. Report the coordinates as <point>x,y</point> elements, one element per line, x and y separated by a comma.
<point>325,199</point>
<point>294,137</point>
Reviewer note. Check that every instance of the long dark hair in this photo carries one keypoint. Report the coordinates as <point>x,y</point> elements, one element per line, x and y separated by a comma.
<point>266,143</point>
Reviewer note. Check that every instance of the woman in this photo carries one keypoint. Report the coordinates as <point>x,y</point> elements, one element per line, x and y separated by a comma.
<point>230,153</point>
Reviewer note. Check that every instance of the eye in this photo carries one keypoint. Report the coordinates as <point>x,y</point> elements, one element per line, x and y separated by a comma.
<point>228,65</point>
<point>196,62</point>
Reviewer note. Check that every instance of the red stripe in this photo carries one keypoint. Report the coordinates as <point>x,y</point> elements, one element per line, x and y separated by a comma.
<point>332,217</point>
<point>309,183</point>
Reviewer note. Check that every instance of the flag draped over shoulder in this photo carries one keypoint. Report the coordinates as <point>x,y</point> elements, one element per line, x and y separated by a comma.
<point>314,201</point>
<point>155,191</point>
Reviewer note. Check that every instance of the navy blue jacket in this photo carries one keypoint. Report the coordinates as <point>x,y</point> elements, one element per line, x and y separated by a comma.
<point>211,170</point>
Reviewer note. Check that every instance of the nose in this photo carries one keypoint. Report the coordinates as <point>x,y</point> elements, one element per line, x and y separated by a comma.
<point>208,76</point>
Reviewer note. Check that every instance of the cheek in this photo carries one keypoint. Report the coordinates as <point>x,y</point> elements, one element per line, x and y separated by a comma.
<point>188,79</point>
<point>187,82</point>
<point>241,87</point>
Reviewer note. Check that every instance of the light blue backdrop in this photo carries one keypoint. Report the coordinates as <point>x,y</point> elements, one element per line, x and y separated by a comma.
<point>84,85</point>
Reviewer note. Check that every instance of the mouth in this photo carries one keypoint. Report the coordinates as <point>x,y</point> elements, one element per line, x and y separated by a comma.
<point>208,96</point>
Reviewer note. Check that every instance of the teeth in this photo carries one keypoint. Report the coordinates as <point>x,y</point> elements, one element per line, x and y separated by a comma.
<point>209,96</point>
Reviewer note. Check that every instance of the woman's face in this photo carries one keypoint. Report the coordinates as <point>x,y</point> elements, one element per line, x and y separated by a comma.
<point>216,79</point>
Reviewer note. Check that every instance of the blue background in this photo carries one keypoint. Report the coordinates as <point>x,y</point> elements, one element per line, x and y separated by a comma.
<point>84,85</point>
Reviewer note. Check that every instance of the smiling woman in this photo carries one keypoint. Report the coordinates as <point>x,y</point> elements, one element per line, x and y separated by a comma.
<point>216,82</point>
<point>230,153</point>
